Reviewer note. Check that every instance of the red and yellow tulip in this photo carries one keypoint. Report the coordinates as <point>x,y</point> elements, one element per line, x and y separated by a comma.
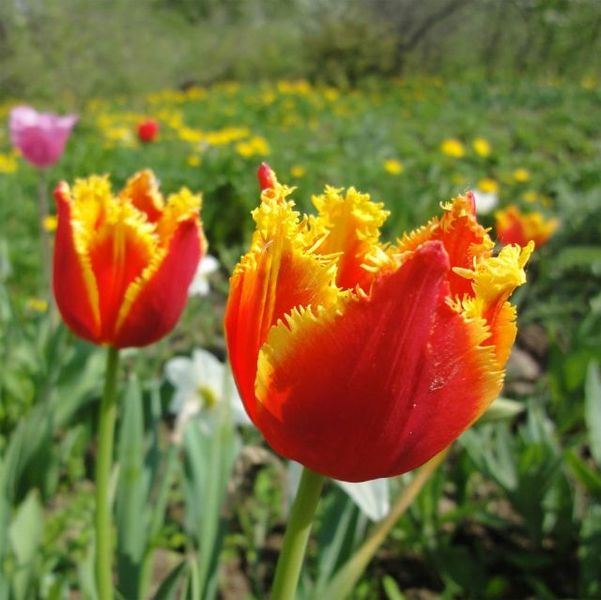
<point>123,264</point>
<point>515,227</point>
<point>361,359</point>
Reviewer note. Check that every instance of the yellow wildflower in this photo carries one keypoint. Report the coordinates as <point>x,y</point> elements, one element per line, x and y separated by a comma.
<point>452,147</point>
<point>8,163</point>
<point>481,147</point>
<point>36,305</point>
<point>49,223</point>
<point>488,185</point>
<point>521,175</point>
<point>297,171</point>
<point>193,160</point>
<point>393,166</point>
<point>255,146</point>
<point>530,196</point>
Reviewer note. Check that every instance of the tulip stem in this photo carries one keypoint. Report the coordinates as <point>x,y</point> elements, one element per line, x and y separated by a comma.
<point>297,534</point>
<point>343,582</point>
<point>106,431</point>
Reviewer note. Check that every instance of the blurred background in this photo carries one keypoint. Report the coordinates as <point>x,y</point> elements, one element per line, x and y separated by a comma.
<point>87,48</point>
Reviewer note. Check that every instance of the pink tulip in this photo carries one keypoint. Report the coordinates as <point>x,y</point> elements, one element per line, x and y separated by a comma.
<point>41,137</point>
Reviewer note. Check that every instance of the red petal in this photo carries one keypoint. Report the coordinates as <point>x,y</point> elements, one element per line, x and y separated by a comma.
<point>162,298</point>
<point>383,387</point>
<point>266,177</point>
<point>281,279</point>
<point>463,237</point>
<point>75,299</point>
<point>118,256</point>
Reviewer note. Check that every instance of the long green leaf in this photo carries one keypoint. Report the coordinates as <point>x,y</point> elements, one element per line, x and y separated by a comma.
<point>132,494</point>
<point>592,410</point>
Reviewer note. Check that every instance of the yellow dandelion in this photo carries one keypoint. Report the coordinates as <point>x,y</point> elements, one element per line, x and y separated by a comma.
<point>393,166</point>
<point>481,147</point>
<point>452,147</point>
<point>193,160</point>
<point>36,305</point>
<point>255,146</point>
<point>49,223</point>
<point>488,185</point>
<point>530,196</point>
<point>521,175</point>
<point>297,171</point>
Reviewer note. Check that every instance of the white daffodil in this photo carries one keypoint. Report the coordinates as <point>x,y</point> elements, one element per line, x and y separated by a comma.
<point>200,383</point>
<point>200,283</point>
<point>372,497</point>
<point>486,202</point>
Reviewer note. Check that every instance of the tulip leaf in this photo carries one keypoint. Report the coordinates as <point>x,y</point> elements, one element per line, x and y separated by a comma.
<point>25,534</point>
<point>592,409</point>
<point>132,494</point>
<point>590,551</point>
<point>391,589</point>
<point>209,457</point>
<point>168,590</point>
<point>338,536</point>
<point>587,476</point>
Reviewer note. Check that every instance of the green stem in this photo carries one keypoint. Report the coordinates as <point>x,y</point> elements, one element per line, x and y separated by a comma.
<point>342,584</point>
<point>297,533</point>
<point>106,432</point>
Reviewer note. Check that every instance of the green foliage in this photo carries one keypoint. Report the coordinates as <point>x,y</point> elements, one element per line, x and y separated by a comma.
<point>515,511</point>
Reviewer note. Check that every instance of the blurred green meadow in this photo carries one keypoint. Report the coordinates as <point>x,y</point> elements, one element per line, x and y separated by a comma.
<point>513,513</point>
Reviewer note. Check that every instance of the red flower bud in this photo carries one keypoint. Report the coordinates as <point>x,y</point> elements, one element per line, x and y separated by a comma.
<point>148,130</point>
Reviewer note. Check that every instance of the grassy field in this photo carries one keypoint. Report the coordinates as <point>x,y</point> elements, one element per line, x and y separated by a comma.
<point>514,512</point>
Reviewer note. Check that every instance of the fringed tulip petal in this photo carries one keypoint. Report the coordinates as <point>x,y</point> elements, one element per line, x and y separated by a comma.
<point>143,191</point>
<point>350,227</point>
<point>278,274</point>
<point>134,256</point>
<point>515,227</point>
<point>464,239</point>
<point>372,350</point>
<point>73,277</point>
<point>360,378</point>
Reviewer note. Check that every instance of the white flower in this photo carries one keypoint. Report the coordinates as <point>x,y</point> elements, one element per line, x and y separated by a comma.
<point>372,497</point>
<point>200,283</point>
<point>485,201</point>
<point>201,382</point>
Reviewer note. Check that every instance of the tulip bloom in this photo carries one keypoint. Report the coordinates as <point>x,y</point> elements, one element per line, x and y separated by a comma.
<point>148,130</point>
<point>515,227</point>
<point>40,137</point>
<point>360,359</point>
<point>123,264</point>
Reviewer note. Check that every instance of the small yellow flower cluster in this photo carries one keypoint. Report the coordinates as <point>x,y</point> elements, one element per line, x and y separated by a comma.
<point>255,146</point>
